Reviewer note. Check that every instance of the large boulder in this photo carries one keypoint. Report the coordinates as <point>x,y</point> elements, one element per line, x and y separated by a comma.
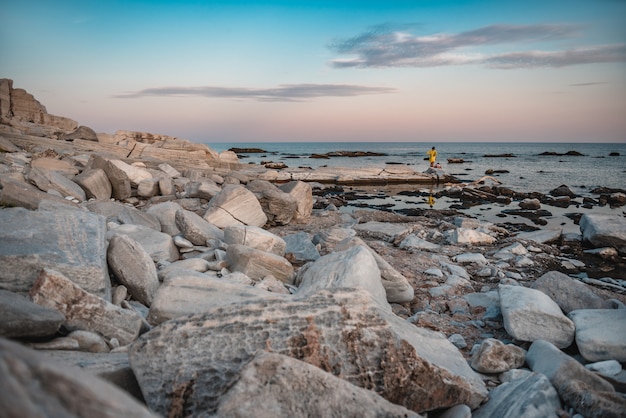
<point>186,292</point>
<point>281,386</point>
<point>166,214</point>
<point>83,310</point>
<point>133,267</point>
<point>531,315</point>
<point>568,293</point>
<point>532,396</point>
<point>21,318</point>
<point>195,359</point>
<point>604,231</point>
<point>303,195</point>
<point>258,264</point>
<point>255,237</point>
<point>279,207</point>
<point>600,333</point>
<point>82,132</point>
<point>15,193</point>
<point>120,183</point>
<point>354,267</point>
<point>397,287</point>
<point>69,241</point>
<point>34,385</point>
<point>125,214</point>
<point>586,392</point>
<point>95,183</point>
<point>235,205</point>
<point>160,246</point>
<point>47,180</point>
<point>194,228</point>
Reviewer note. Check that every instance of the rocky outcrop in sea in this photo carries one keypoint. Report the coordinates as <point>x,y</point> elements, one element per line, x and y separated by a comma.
<point>144,275</point>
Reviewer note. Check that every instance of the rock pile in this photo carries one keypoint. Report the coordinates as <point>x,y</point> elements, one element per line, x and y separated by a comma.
<point>207,289</point>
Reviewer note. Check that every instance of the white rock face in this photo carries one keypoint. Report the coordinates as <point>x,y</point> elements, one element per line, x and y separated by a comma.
<point>601,333</point>
<point>352,268</point>
<point>531,315</point>
<point>604,231</point>
<point>235,205</point>
<point>469,236</point>
<point>255,237</point>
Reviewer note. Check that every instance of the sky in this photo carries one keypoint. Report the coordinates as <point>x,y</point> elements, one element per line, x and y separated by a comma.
<point>326,70</point>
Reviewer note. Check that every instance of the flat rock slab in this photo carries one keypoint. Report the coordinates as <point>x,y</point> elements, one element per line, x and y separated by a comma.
<point>384,231</point>
<point>71,242</point>
<point>601,333</point>
<point>542,236</point>
<point>34,385</point>
<point>159,245</point>
<point>190,362</point>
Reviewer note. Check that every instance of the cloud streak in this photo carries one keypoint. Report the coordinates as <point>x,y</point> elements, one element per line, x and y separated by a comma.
<point>381,47</point>
<point>281,93</point>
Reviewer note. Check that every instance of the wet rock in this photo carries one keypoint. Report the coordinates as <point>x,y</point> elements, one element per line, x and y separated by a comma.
<point>35,385</point>
<point>83,310</point>
<point>341,332</point>
<point>277,385</point>
<point>532,396</point>
<point>562,190</point>
<point>601,333</point>
<point>531,315</point>
<point>569,293</point>
<point>530,204</point>
<point>21,318</point>
<point>580,388</point>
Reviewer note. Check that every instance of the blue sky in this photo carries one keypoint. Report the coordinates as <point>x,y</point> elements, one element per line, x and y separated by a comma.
<point>245,71</point>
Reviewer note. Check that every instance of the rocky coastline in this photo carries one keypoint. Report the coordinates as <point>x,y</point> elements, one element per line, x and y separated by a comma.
<point>145,275</point>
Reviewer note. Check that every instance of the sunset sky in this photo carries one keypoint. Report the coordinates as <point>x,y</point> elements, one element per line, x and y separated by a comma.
<point>326,70</point>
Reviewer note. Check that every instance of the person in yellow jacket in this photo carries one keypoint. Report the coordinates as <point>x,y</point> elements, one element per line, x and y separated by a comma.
<point>432,156</point>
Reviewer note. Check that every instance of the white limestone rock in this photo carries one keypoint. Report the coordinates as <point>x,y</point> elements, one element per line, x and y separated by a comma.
<point>255,237</point>
<point>257,264</point>
<point>352,268</point>
<point>531,315</point>
<point>235,205</point>
<point>467,236</point>
<point>604,231</point>
<point>601,333</point>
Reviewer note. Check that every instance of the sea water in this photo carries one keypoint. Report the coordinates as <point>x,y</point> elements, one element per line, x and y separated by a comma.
<point>525,171</point>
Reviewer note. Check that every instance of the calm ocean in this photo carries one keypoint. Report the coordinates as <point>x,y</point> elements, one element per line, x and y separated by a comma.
<point>527,170</point>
